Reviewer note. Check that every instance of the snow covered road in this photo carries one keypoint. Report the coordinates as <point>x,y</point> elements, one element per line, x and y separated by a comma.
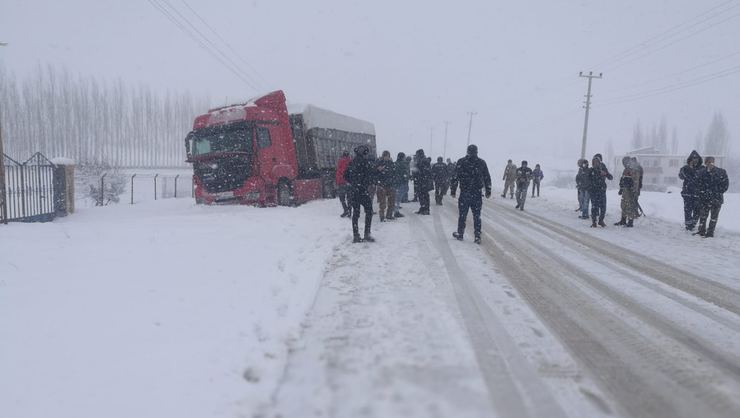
<point>171,309</point>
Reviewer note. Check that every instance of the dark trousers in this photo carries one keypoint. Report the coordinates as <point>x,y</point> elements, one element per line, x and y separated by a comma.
<point>474,203</point>
<point>440,189</point>
<point>423,201</point>
<point>521,193</point>
<point>690,211</point>
<point>361,199</point>
<point>536,185</point>
<point>710,210</point>
<point>598,204</point>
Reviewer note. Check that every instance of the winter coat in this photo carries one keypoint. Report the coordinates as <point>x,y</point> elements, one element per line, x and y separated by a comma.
<point>712,185</point>
<point>439,173</point>
<point>471,173</point>
<point>403,172</point>
<point>629,188</point>
<point>423,175</point>
<point>598,177</point>
<point>450,171</point>
<point>360,174</point>
<point>688,175</point>
<point>510,172</point>
<point>387,176</point>
<point>583,178</point>
<point>342,165</point>
<point>523,176</point>
<point>537,175</point>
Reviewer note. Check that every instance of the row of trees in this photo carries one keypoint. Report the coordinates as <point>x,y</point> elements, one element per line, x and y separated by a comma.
<point>93,121</point>
<point>715,142</point>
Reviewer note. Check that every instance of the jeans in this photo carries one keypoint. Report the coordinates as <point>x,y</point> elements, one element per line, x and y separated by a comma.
<point>598,204</point>
<point>710,210</point>
<point>474,203</point>
<point>690,210</point>
<point>440,189</point>
<point>536,185</point>
<point>583,198</point>
<point>423,201</point>
<point>361,198</point>
<point>521,194</point>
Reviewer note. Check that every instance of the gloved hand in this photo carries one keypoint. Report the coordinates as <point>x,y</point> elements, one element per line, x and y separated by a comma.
<point>488,194</point>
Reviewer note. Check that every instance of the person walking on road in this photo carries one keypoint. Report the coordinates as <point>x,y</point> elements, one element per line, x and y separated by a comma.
<point>583,184</point>
<point>713,183</point>
<point>402,183</point>
<point>361,174</point>
<point>424,182</point>
<point>598,176</point>
<point>385,188</point>
<point>509,179</point>
<point>690,190</point>
<point>537,177</point>
<point>342,185</point>
<point>441,180</point>
<point>523,177</point>
<point>629,185</point>
<point>471,173</point>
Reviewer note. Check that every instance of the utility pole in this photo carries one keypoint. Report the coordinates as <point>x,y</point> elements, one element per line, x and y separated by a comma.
<point>444,147</point>
<point>590,77</point>
<point>470,124</point>
<point>3,194</point>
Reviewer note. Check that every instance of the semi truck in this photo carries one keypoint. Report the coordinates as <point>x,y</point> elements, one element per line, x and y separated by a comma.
<point>265,153</point>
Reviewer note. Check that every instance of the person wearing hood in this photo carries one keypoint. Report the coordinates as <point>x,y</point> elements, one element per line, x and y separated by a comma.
<point>471,174</point>
<point>583,184</point>
<point>598,175</point>
<point>713,183</point>
<point>690,189</point>
<point>629,185</point>
<point>423,181</point>
<point>523,177</point>
<point>361,174</point>
<point>441,180</point>
<point>509,179</point>
<point>342,186</point>
<point>402,182</point>
<point>537,177</point>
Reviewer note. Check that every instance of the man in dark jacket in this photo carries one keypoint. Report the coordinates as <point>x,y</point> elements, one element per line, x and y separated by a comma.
<point>523,177</point>
<point>360,175</point>
<point>690,190</point>
<point>713,183</point>
<point>537,176</point>
<point>402,176</point>
<point>471,173</point>
<point>598,176</point>
<point>583,184</point>
<point>385,189</point>
<point>423,180</point>
<point>441,180</point>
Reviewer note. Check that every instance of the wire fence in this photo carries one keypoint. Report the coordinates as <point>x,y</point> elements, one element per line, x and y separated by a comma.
<point>133,188</point>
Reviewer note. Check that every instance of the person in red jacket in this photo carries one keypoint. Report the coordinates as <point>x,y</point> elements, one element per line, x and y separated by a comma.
<point>342,186</point>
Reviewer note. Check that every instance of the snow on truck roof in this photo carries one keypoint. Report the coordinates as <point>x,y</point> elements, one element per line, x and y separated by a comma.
<point>316,117</point>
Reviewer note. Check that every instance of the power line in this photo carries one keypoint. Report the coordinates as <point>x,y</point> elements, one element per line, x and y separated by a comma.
<point>672,31</point>
<point>228,45</point>
<point>200,43</point>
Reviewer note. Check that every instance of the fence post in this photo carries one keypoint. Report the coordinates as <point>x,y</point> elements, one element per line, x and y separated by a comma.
<point>176,185</point>
<point>132,188</point>
<point>155,186</point>
<point>102,190</point>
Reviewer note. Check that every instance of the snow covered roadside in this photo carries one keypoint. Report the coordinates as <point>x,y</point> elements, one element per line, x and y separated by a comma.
<point>158,309</point>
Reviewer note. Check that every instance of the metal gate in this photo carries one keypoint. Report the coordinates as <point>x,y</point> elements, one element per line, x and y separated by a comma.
<point>29,189</point>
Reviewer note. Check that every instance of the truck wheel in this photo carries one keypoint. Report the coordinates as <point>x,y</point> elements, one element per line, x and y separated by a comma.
<point>284,197</point>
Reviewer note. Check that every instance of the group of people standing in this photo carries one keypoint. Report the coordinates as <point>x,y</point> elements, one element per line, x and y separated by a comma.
<point>520,177</point>
<point>704,186</point>
<point>360,179</point>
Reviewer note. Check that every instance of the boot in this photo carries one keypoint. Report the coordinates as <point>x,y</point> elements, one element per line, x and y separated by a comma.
<point>593,224</point>
<point>601,223</point>
<point>477,239</point>
<point>356,238</point>
<point>621,222</point>
<point>457,236</point>
<point>398,215</point>
<point>504,196</point>
<point>630,223</point>
<point>368,237</point>
<point>517,206</point>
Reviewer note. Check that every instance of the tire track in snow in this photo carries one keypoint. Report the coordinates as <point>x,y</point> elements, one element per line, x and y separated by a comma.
<point>514,387</point>
<point>639,377</point>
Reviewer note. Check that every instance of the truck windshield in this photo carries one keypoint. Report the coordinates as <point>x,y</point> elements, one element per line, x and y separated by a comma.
<point>229,138</point>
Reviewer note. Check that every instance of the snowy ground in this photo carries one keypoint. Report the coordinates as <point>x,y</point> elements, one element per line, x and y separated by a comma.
<point>170,309</point>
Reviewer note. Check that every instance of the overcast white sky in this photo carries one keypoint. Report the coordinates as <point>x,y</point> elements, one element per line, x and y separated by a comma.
<point>408,66</point>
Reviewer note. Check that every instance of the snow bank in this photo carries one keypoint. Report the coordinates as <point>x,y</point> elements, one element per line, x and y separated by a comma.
<point>160,309</point>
